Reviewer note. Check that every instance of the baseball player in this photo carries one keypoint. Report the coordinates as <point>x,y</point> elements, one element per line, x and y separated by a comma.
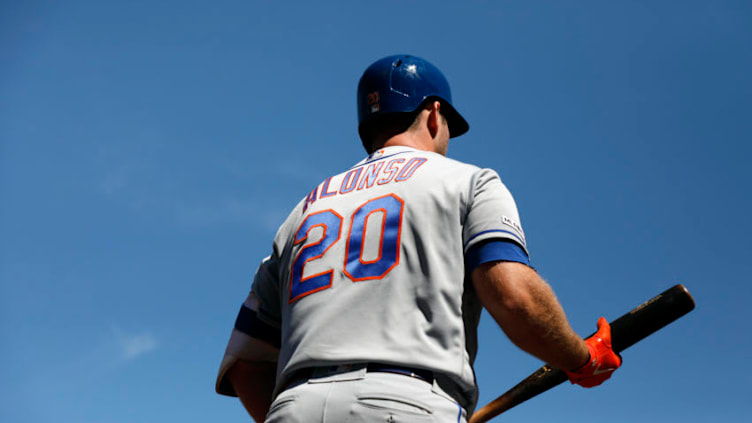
<point>367,308</point>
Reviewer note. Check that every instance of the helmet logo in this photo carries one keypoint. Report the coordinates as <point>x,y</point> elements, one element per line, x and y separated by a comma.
<point>373,101</point>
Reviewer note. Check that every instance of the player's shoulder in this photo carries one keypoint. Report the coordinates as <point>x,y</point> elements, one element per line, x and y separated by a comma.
<point>465,171</point>
<point>451,161</point>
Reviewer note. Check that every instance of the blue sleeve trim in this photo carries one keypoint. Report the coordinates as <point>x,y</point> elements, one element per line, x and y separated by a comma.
<point>248,323</point>
<point>517,237</point>
<point>495,250</point>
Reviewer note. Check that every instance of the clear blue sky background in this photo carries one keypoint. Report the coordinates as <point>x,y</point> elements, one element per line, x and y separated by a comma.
<point>149,149</point>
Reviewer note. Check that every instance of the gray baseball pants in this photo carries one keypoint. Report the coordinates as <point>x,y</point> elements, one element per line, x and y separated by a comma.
<point>360,396</point>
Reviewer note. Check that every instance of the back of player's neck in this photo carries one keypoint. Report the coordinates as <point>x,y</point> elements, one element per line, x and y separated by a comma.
<point>407,139</point>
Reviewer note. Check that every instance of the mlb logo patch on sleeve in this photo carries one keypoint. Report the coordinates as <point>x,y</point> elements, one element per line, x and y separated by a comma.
<point>513,223</point>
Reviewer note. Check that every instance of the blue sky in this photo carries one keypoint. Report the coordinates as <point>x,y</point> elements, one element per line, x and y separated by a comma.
<point>148,151</point>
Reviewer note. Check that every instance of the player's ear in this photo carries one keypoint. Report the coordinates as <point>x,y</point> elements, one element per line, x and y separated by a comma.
<point>434,118</point>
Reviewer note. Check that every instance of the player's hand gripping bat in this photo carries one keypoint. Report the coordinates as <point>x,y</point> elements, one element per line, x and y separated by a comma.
<point>626,331</point>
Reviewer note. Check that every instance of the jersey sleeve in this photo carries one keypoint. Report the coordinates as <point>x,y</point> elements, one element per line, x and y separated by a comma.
<point>495,250</point>
<point>492,213</point>
<point>256,335</point>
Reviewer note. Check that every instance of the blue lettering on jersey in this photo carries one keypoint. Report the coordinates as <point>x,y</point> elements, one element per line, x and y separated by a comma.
<point>310,199</point>
<point>410,168</point>
<point>367,176</point>
<point>392,170</point>
<point>325,189</point>
<point>350,181</point>
<point>356,268</point>
<point>388,208</point>
<point>331,224</point>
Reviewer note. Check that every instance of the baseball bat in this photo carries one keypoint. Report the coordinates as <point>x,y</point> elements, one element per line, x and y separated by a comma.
<point>626,331</point>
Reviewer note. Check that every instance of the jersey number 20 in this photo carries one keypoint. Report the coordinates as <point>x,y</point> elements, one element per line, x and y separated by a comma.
<point>355,266</point>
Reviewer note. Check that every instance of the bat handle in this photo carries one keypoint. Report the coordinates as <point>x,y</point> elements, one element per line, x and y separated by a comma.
<point>540,381</point>
<point>627,330</point>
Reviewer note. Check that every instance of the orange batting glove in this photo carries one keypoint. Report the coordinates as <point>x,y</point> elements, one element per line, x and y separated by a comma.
<point>603,360</point>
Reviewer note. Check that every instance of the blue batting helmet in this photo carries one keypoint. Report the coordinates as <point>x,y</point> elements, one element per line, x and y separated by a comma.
<point>400,84</point>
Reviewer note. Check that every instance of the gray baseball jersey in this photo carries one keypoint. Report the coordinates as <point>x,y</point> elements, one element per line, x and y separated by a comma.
<point>372,266</point>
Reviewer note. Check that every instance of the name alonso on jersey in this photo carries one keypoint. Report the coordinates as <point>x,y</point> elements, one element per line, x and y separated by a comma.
<point>366,176</point>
